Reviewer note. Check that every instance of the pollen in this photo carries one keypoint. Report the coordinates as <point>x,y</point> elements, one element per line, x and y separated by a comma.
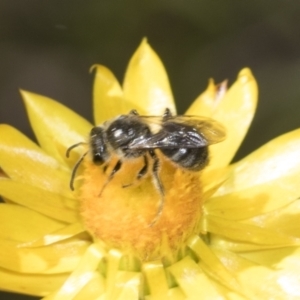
<point>125,215</point>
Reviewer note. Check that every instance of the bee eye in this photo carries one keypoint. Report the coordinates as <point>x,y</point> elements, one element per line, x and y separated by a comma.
<point>98,159</point>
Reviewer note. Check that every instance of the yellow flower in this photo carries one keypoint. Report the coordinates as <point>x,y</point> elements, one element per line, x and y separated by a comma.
<point>228,232</point>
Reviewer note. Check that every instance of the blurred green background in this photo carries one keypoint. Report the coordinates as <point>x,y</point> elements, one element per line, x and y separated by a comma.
<point>47,47</point>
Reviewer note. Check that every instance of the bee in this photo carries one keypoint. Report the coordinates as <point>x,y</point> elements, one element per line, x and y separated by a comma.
<point>183,140</point>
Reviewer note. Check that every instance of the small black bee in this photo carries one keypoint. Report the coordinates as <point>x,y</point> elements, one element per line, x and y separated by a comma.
<point>184,140</point>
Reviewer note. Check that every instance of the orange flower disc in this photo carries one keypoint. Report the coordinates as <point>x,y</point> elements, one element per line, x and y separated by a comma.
<point>126,217</point>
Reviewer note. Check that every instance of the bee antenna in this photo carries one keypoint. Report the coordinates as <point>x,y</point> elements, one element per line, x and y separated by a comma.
<point>76,168</point>
<point>72,147</point>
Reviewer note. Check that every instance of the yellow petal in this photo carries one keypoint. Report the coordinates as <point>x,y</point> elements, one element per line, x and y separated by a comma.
<point>20,224</point>
<point>284,220</point>
<point>84,272</point>
<point>208,260</point>
<point>156,279</point>
<point>194,283</point>
<point>93,289</point>
<point>47,203</point>
<point>213,180</point>
<point>288,275</point>
<point>276,285</point>
<point>56,258</point>
<point>113,259</point>
<point>248,233</point>
<point>30,284</point>
<point>272,257</point>
<point>55,236</point>
<point>235,111</point>
<point>275,160</point>
<point>256,200</point>
<point>23,161</point>
<point>233,262</point>
<point>146,83</point>
<point>207,103</point>
<point>175,294</point>
<point>282,283</point>
<point>242,246</point>
<point>126,286</point>
<point>56,127</point>
<point>109,101</point>
<point>237,265</point>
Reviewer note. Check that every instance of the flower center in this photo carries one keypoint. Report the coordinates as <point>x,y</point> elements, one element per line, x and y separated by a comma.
<point>126,213</point>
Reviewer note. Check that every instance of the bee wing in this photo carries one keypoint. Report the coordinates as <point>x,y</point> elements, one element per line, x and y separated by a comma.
<point>163,139</point>
<point>208,131</point>
<point>213,131</point>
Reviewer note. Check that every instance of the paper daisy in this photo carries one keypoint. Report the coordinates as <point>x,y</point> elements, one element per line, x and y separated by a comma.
<point>226,232</point>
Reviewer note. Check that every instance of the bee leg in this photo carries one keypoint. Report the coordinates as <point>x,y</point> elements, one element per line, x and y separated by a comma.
<point>134,112</point>
<point>167,114</point>
<point>111,175</point>
<point>159,186</point>
<point>144,170</point>
<point>75,170</point>
<point>141,173</point>
<point>105,168</point>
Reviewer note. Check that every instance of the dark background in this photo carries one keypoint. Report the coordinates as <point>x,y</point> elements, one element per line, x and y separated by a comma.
<point>47,47</point>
